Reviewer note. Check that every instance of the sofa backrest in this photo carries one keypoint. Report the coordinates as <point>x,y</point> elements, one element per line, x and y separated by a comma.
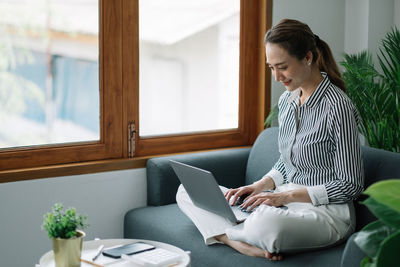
<point>378,165</point>
<point>263,155</point>
<point>228,167</point>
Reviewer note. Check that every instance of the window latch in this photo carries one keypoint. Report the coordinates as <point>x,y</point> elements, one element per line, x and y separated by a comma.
<point>131,139</point>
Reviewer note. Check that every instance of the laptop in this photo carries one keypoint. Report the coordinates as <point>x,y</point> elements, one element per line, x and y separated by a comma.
<point>205,193</point>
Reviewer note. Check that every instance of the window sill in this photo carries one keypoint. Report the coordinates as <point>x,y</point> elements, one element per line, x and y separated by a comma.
<point>16,175</point>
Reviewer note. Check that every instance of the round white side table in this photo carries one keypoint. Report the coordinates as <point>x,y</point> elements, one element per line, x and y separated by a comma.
<point>90,248</point>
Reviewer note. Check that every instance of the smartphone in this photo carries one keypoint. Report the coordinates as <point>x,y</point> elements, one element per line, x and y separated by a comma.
<point>128,249</point>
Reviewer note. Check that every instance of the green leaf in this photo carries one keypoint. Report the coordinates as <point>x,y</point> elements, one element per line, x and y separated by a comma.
<point>371,236</point>
<point>386,192</point>
<point>388,254</point>
<point>367,262</point>
<point>383,212</point>
<point>272,117</point>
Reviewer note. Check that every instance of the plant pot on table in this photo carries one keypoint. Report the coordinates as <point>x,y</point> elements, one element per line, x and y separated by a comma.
<point>67,251</point>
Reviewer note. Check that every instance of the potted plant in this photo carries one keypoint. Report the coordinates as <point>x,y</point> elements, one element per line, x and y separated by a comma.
<point>62,227</point>
<point>376,94</point>
<point>380,240</point>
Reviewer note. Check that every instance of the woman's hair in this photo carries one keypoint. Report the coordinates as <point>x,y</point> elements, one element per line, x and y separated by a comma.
<point>297,39</point>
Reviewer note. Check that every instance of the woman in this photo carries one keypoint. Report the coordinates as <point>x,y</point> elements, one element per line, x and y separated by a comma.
<point>319,171</point>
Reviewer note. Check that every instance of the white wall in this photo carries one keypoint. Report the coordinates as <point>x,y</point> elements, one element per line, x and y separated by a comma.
<point>396,15</point>
<point>356,30</point>
<point>380,22</point>
<point>104,197</point>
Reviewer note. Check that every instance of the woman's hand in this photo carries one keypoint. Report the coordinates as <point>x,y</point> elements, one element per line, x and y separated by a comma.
<point>276,199</point>
<point>249,190</point>
<point>267,198</point>
<point>235,193</point>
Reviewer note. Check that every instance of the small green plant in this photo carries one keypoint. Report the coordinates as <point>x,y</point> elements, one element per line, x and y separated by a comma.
<point>380,240</point>
<point>60,224</point>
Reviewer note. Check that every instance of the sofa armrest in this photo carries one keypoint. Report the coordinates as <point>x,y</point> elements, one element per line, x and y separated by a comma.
<point>352,254</point>
<point>228,167</point>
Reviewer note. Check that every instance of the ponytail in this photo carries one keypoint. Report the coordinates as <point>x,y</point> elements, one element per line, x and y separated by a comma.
<point>327,63</point>
<point>298,39</point>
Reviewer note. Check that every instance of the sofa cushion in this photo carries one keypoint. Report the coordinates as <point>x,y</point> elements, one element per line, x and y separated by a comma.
<point>168,224</point>
<point>378,165</point>
<point>263,155</point>
<point>228,167</point>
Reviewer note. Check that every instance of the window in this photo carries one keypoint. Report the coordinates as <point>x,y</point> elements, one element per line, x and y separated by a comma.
<point>120,103</point>
<point>189,66</point>
<point>231,33</point>
<point>49,76</point>
<point>101,136</point>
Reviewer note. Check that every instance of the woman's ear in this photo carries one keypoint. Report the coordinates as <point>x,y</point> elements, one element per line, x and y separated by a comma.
<point>309,58</point>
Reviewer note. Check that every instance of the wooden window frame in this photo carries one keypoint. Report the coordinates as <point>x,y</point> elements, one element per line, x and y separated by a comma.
<point>119,102</point>
<point>253,95</point>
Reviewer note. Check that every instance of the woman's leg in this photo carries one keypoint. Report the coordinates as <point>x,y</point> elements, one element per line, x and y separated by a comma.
<point>208,223</point>
<point>213,227</point>
<point>301,227</point>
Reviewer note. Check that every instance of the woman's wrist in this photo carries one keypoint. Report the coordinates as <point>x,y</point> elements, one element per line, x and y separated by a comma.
<point>298,195</point>
<point>266,183</point>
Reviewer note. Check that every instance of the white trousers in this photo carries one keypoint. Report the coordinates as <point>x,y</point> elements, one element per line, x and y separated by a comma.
<point>302,226</point>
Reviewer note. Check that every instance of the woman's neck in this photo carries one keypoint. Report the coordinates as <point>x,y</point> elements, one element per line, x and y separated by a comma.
<point>309,86</point>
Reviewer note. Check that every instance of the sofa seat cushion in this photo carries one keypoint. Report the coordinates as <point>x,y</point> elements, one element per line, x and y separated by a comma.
<point>168,224</point>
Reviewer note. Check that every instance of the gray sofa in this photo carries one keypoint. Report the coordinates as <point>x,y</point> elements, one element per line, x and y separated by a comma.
<point>163,221</point>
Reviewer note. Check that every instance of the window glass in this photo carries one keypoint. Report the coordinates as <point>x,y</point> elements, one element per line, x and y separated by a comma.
<point>189,66</point>
<point>49,72</point>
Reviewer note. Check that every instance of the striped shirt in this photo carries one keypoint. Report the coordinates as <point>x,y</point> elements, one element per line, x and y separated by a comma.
<point>319,145</point>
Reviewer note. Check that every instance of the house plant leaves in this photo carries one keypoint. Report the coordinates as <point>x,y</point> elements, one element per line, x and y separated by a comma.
<point>371,236</point>
<point>383,212</point>
<point>387,193</point>
<point>388,255</point>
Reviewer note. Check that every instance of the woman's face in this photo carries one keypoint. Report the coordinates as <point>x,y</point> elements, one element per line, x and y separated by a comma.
<point>288,70</point>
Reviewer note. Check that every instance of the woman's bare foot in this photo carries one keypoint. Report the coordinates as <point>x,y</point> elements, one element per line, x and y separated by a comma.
<point>273,256</point>
<point>248,249</point>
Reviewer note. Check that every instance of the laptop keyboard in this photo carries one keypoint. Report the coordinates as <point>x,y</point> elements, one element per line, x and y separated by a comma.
<point>246,210</point>
<point>236,207</point>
